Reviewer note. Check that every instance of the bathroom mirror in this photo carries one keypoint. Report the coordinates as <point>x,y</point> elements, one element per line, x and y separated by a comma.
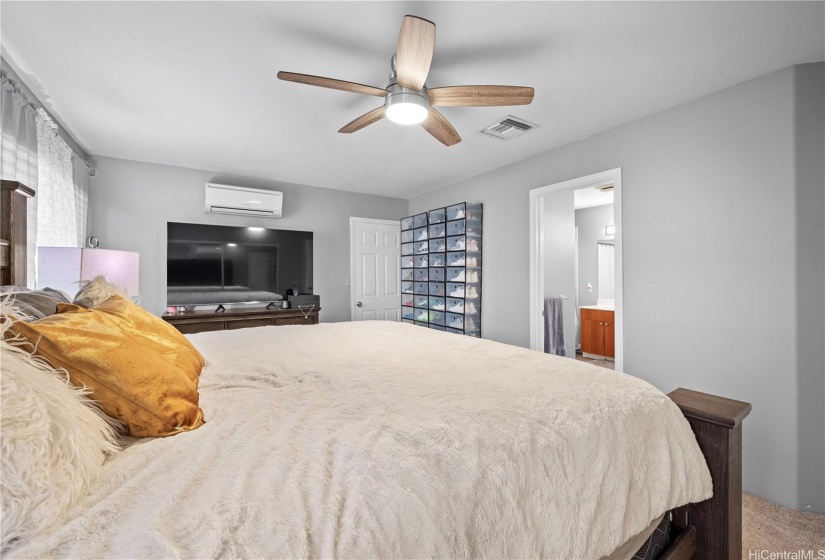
<point>606,269</point>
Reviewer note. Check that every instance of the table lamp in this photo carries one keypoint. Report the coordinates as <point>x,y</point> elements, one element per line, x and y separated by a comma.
<point>69,268</point>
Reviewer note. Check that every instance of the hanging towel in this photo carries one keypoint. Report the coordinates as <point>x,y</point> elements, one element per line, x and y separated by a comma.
<point>554,326</point>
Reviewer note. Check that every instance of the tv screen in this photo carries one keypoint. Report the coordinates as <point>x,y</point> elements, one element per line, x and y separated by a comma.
<point>211,265</point>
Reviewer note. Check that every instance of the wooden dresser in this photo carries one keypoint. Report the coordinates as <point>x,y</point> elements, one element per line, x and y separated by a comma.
<point>190,322</point>
<point>598,332</point>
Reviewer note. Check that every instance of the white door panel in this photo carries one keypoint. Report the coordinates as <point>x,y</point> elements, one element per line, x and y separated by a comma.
<point>392,282</point>
<point>376,261</point>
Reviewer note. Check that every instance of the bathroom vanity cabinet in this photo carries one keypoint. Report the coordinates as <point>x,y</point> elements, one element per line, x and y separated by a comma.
<point>598,332</point>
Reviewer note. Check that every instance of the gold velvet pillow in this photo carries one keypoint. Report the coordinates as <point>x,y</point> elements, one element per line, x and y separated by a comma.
<point>153,334</point>
<point>128,377</point>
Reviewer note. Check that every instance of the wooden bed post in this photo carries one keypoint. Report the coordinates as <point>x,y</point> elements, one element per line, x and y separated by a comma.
<point>717,424</point>
<point>13,196</point>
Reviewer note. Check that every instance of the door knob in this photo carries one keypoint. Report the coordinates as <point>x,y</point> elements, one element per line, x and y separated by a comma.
<point>359,304</point>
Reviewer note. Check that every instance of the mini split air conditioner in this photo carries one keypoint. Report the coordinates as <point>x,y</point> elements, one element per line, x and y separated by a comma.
<point>228,199</point>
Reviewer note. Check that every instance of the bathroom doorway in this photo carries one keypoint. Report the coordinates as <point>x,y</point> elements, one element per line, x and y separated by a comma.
<point>576,264</point>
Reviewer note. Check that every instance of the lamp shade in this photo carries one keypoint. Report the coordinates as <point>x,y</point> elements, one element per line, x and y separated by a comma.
<point>68,268</point>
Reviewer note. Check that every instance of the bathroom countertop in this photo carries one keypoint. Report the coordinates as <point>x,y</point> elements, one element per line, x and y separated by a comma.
<point>599,307</point>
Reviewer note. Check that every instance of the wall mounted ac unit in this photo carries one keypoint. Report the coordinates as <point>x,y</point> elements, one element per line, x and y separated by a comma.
<point>228,199</point>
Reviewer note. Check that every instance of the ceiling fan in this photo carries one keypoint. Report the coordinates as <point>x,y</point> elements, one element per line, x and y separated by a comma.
<point>407,100</point>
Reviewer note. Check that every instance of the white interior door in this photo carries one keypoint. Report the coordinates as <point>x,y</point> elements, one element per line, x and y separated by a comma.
<point>376,264</point>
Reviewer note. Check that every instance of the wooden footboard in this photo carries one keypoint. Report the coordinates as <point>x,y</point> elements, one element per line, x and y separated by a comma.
<point>717,424</point>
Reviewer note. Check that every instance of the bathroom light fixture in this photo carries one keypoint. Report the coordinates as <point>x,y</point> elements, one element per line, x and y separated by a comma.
<point>231,245</point>
<point>610,230</point>
<point>255,229</point>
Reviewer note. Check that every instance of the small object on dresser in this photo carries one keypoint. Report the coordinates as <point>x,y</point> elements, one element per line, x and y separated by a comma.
<point>304,301</point>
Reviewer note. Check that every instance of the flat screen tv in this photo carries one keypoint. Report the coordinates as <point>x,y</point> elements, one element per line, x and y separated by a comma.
<point>220,265</point>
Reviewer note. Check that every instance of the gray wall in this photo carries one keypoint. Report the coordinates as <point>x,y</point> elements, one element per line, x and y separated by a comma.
<point>809,115</point>
<point>717,177</point>
<point>560,260</point>
<point>590,223</point>
<point>133,201</point>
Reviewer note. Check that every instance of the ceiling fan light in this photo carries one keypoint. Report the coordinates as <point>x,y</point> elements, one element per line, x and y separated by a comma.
<point>407,113</point>
<point>405,106</point>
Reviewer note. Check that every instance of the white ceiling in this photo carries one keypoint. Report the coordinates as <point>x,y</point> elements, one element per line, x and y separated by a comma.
<point>590,197</point>
<point>193,83</point>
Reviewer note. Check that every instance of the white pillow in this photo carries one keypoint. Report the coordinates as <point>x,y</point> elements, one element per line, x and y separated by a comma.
<point>54,442</point>
<point>97,291</point>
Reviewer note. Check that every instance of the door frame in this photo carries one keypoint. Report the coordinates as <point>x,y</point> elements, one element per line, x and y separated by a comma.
<point>537,198</point>
<point>352,263</point>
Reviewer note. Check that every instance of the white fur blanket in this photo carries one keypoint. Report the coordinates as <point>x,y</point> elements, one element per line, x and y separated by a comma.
<point>387,440</point>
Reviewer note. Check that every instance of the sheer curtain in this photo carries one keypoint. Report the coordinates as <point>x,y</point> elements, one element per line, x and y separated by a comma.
<point>62,211</point>
<point>19,156</point>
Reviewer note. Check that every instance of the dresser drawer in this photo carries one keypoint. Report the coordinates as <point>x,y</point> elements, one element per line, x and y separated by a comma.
<point>192,328</point>
<point>311,320</point>
<point>247,323</point>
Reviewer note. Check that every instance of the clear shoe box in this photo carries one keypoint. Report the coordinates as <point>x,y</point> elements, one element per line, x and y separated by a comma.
<point>456,259</point>
<point>437,231</point>
<point>437,303</point>
<point>438,246</point>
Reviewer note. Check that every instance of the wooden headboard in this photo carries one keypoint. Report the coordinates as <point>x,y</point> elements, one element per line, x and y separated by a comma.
<point>13,198</point>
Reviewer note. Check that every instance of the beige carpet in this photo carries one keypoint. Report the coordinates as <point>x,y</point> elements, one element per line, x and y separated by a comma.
<point>609,364</point>
<point>767,526</point>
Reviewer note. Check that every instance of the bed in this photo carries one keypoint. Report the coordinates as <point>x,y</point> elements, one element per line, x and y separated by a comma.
<point>489,450</point>
<point>347,440</point>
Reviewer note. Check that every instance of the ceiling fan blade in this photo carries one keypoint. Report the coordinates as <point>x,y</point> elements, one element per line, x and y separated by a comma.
<point>364,120</point>
<point>331,83</point>
<point>480,96</point>
<point>414,53</point>
<point>441,128</point>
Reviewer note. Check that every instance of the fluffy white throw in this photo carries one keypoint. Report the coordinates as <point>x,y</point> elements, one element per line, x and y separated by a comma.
<point>386,440</point>
<point>54,440</point>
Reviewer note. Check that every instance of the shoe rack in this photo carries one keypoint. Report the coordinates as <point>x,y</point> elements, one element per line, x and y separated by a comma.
<point>441,269</point>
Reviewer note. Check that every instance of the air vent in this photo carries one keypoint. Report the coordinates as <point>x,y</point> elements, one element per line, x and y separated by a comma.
<point>508,127</point>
